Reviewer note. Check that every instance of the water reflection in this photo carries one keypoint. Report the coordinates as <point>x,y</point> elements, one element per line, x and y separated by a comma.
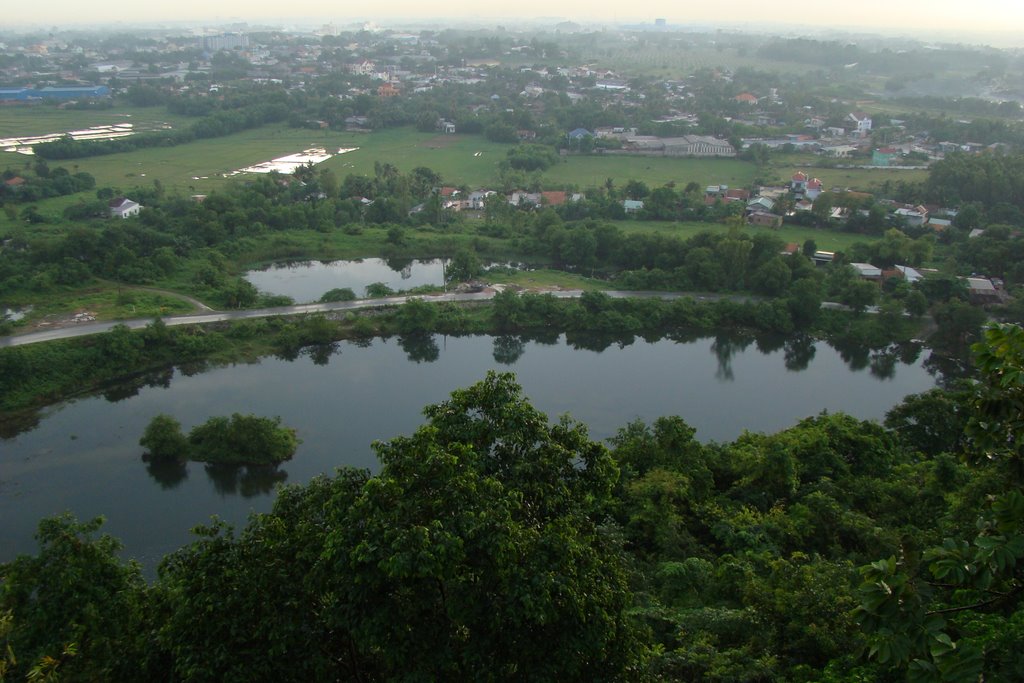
<point>129,388</point>
<point>168,473</point>
<point>307,281</point>
<point>883,363</point>
<point>244,480</point>
<point>508,349</point>
<point>321,354</point>
<point>401,265</point>
<point>420,348</point>
<point>598,341</point>
<point>856,356</point>
<point>799,352</point>
<point>725,346</point>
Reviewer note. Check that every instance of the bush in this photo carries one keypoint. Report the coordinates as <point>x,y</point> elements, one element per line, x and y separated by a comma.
<point>338,294</point>
<point>163,439</point>
<point>243,440</point>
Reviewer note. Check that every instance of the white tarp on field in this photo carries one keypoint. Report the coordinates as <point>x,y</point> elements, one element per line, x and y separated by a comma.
<point>287,164</point>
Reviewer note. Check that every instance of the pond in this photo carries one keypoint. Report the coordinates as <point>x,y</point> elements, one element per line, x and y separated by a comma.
<point>307,281</point>
<point>84,455</point>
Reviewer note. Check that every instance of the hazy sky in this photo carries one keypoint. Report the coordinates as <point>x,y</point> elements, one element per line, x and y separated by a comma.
<point>909,16</point>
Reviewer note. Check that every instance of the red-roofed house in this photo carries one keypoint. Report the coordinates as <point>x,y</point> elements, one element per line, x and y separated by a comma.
<point>746,98</point>
<point>799,182</point>
<point>813,189</point>
<point>552,198</point>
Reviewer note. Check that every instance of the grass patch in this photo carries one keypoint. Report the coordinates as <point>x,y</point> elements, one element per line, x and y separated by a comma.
<point>548,279</point>
<point>23,121</point>
<point>103,302</point>
<point>593,170</point>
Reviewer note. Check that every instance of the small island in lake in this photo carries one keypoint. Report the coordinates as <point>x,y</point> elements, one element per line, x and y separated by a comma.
<point>236,440</point>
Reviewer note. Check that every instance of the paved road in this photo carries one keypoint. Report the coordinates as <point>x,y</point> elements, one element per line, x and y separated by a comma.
<point>85,329</point>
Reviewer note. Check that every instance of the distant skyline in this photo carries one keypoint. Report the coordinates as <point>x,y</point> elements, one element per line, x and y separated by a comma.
<point>1003,20</point>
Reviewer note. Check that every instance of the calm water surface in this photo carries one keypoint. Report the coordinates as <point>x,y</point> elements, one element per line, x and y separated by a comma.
<point>84,455</point>
<point>307,281</point>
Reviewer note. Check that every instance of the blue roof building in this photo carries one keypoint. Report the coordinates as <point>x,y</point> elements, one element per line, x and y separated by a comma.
<point>14,94</point>
<point>73,93</point>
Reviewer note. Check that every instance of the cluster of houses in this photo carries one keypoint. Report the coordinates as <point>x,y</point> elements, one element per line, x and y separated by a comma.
<point>454,199</point>
<point>980,290</point>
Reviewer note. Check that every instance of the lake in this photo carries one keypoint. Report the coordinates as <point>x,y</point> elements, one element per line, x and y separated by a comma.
<point>306,281</point>
<point>84,455</point>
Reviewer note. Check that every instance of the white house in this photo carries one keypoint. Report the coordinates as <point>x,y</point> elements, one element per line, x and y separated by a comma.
<point>122,207</point>
<point>476,199</point>
<point>913,217</point>
<point>862,123</point>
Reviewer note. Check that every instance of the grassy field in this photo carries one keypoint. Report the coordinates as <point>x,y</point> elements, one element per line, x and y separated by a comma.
<point>825,239</point>
<point>548,279</point>
<point>198,166</point>
<point>17,121</point>
<point>591,171</point>
<point>460,159</point>
<point>861,179</point>
<point>104,302</point>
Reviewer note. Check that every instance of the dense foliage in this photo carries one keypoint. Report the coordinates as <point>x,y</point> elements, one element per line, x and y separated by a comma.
<point>239,439</point>
<point>496,545</point>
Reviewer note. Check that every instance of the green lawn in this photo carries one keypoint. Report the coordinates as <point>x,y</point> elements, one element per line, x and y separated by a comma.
<point>460,159</point>
<point>548,279</point>
<point>592,171</point>
<point>200,165</point>
<point>825,239</point>
<point>17,121</point>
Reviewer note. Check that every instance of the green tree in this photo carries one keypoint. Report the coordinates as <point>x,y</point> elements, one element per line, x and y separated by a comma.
<point>242,439</point>
<point>477,553</point>
<point>416,316</point>
<point>464,266</point>
<point>376,290</point>
<point>916,303</point>
<point>859,294</point>
<point>952,611</point>
<point>771,278</point>
<point>338,294</point>
<point>76,607</point>
<point>804,301</point>
<point>260,605</point>
<point>163,439</point>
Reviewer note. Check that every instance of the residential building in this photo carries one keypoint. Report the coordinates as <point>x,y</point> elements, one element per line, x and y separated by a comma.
<point>867,271</point>
<point>122,207</point>
<point>764,219</point>
<point>861,123</point>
